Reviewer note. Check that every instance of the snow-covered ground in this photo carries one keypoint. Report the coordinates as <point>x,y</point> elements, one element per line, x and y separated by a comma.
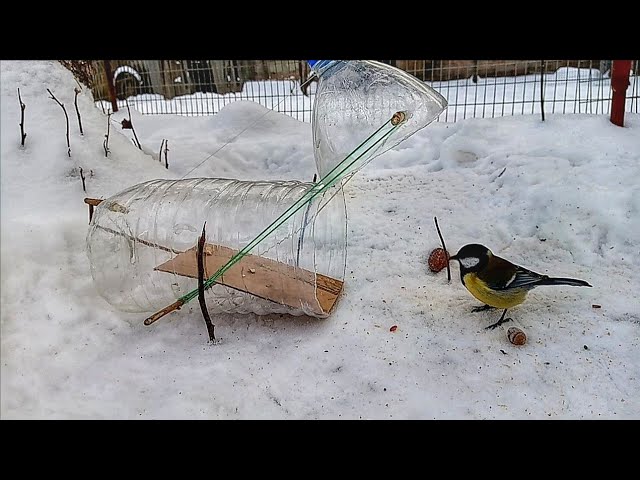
<point>560,197</point>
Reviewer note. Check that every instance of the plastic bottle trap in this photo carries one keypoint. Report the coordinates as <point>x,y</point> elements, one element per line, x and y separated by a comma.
<point>271,247</point>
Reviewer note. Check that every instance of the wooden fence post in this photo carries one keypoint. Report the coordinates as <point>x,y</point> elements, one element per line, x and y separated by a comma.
<point>111,85</point>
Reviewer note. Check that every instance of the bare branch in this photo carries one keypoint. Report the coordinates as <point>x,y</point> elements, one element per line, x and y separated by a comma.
<point>66,116</point>
<point>435,219</point>
<point>201,275</point>
<point>131,126</point>
<point>105,143</point>
<point>84,186</point>
<point>160,152</point>
<point>22,107</point>
<point>166,149</point>
<point>77,90</point>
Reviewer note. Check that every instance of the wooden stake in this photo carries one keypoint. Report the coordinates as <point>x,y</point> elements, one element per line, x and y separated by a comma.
<point>93,201</point>
<point>158,315</point>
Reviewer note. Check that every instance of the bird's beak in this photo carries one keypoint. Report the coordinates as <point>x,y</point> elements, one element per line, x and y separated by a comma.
<point>454,257</point>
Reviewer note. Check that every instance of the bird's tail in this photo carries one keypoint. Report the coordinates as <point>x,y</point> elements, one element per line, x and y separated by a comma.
<point>564,281</point>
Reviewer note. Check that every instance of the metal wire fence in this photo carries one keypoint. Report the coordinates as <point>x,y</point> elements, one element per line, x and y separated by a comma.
<point>492,89</point>
<point>486,88</point>
<point>203,87</point>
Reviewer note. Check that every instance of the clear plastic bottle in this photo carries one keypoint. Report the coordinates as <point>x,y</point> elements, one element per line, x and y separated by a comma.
<point>144,226</point>
<point>355,97</point>
<point>362,109</point>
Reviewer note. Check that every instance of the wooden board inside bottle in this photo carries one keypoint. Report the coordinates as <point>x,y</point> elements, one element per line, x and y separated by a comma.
<point>262,277</point>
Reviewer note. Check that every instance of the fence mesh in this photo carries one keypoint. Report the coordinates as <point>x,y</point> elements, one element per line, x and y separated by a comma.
<point>484,88</point>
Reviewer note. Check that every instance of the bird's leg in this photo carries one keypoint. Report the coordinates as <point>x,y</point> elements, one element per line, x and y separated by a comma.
<point>499,322</point>
<point>482,308</point>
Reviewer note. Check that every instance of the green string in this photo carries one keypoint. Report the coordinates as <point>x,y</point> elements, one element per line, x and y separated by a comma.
<point>329,180</point>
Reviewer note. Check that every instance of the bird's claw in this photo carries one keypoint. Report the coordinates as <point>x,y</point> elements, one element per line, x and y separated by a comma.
<point>498,323</point>
<point>482,308</point>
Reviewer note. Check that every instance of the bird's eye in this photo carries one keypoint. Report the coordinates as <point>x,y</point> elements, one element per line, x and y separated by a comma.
<point>469,262</point>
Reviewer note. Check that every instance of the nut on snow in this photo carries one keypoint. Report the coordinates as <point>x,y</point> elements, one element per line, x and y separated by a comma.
<point>516,336</point>
<point>438,260</point>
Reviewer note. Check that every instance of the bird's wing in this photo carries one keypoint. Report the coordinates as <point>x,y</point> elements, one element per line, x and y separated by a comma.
<point>504,275</point>
<point>524,278</point>
<point>498,274</point>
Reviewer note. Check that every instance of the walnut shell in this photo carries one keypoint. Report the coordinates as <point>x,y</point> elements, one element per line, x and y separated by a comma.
<point>516,336</point>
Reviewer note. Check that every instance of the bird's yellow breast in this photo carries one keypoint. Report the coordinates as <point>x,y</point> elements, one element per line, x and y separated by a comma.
<point>495,298</point>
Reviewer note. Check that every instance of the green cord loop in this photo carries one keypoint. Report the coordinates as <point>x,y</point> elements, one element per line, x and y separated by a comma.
<point>339,172</point>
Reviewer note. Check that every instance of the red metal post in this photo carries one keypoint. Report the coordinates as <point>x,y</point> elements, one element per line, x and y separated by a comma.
<point>619,83</point>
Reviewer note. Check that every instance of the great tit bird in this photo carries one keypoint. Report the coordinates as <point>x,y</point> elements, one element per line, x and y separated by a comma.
<point>499,283</point>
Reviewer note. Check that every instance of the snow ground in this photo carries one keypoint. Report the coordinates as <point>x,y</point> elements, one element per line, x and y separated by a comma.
<point>560,197</point>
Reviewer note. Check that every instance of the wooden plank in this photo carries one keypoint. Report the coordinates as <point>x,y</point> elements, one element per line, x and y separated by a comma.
<point>220,70</point>
<point>154,69</point>
<point>262,277</point>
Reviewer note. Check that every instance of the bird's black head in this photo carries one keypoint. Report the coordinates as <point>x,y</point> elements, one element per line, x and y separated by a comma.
<point>472,257</point>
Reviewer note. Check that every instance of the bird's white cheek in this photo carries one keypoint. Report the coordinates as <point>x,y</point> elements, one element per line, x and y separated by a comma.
<point>469,262</point>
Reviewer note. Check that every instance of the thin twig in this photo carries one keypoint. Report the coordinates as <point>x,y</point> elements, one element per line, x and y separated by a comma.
<point>135,239</point>
<point>97,201</point>
<point>201,275</point>
<point>131,123</point>
<point>166,149</point>
<point>66,116</point>
<point>542,68</point>
<point>22,107</point>
<point>435,219</point>
<point>160,152</point>
<point>105,144</point>
<point>75,102</point>
<point>77,82</point>
<point>503,170</point>
<point>139,240</point>
<point>84,187</point>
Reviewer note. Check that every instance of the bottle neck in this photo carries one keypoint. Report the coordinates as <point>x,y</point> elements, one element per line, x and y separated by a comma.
<point>322,66</point>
